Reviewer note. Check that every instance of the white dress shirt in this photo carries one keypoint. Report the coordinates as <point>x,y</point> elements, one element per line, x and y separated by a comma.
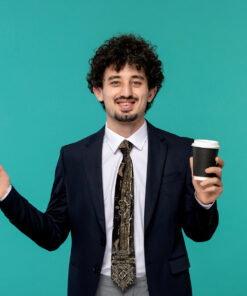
<point>111,159</point>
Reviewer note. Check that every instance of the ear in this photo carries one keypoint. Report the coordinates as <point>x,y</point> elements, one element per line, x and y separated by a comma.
<point>98,93</point>
<point>151,93</point>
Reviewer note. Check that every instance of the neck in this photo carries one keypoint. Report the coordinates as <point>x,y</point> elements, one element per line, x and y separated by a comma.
<point>125,129</point>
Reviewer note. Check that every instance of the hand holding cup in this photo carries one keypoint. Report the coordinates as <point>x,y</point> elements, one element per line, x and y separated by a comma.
<point>206,169</point>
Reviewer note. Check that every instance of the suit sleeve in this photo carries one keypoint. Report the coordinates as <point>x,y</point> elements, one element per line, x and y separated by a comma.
<point>49,229</point>
<point>198,223</point>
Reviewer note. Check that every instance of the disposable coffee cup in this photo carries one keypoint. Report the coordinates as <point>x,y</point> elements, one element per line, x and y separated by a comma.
<point>204,153</point>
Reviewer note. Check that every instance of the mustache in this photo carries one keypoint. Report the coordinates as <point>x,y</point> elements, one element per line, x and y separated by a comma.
<point>125,98</point>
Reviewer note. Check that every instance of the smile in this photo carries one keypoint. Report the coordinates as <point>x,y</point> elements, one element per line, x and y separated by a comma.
<point>126,105</point>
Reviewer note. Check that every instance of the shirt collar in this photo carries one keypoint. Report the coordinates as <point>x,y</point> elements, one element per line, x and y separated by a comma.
<point>138,139</point>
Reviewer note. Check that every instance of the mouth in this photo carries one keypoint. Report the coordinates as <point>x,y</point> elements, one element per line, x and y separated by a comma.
<point>126,105</point>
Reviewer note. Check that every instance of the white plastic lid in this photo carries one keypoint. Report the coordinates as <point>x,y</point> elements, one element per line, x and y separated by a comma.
<point>206,144</point>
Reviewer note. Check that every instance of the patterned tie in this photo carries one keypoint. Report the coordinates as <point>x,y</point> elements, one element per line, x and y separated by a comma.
<point>123,267</point>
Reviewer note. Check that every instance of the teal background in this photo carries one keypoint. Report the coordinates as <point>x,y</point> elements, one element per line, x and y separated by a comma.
<point>45,103</point>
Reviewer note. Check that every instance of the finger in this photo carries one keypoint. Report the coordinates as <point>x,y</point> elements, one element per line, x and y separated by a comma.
<point>2,169</point>
<point>214,170</point>
<point>213,189</point>
<point>220,162</point>
<point>211,181</point>
<point>191,164</point>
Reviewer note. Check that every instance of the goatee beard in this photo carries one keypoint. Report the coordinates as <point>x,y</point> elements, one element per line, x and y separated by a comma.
<point>125,118</point>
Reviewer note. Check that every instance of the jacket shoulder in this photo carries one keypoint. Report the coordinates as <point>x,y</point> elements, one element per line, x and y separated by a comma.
<point>170,137</point>
<point>81,144</point>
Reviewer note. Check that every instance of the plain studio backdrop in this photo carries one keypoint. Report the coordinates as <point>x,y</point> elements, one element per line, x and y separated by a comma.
<point>45,103</point>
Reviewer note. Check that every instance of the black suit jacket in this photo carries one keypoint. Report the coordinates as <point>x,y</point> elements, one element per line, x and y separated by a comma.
<point>77,205</point>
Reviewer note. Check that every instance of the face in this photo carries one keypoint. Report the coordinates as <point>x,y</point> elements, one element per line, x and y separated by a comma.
<point>125,94</point>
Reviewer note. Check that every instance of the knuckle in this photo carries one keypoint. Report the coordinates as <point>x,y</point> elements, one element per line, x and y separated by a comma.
<point>218,182</point>
<point>214,188</point>
<point>216,179</point>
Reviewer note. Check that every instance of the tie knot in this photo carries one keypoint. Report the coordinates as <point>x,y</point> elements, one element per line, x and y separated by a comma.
<point>125,147</point>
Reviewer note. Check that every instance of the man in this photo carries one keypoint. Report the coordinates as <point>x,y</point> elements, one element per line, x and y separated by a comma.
<point>125,192</point>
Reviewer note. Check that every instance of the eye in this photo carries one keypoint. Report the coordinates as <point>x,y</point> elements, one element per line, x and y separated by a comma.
<point>137,83</point>
<point>115,83</point>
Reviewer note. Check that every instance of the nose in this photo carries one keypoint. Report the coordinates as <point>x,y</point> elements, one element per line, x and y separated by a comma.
<point>126,90</point>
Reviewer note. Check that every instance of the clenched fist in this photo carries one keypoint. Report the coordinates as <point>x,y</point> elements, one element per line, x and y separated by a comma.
<point>4,182</point>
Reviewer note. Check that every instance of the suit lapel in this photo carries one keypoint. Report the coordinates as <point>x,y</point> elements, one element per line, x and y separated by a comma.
<point>157,152</point>
<point>93,165</point>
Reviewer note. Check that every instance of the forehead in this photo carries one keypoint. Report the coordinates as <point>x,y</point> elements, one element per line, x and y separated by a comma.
<point>126,71</point>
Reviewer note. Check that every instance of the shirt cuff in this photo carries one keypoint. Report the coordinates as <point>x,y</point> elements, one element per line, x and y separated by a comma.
<point>9,189</point>
<point>207,207</point>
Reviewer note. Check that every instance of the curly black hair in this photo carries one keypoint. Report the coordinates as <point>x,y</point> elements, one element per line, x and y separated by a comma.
<point>126,49</point>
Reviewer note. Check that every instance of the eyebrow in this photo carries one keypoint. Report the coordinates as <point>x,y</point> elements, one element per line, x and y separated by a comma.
<point>113,77</point>
<point>118,76</point>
